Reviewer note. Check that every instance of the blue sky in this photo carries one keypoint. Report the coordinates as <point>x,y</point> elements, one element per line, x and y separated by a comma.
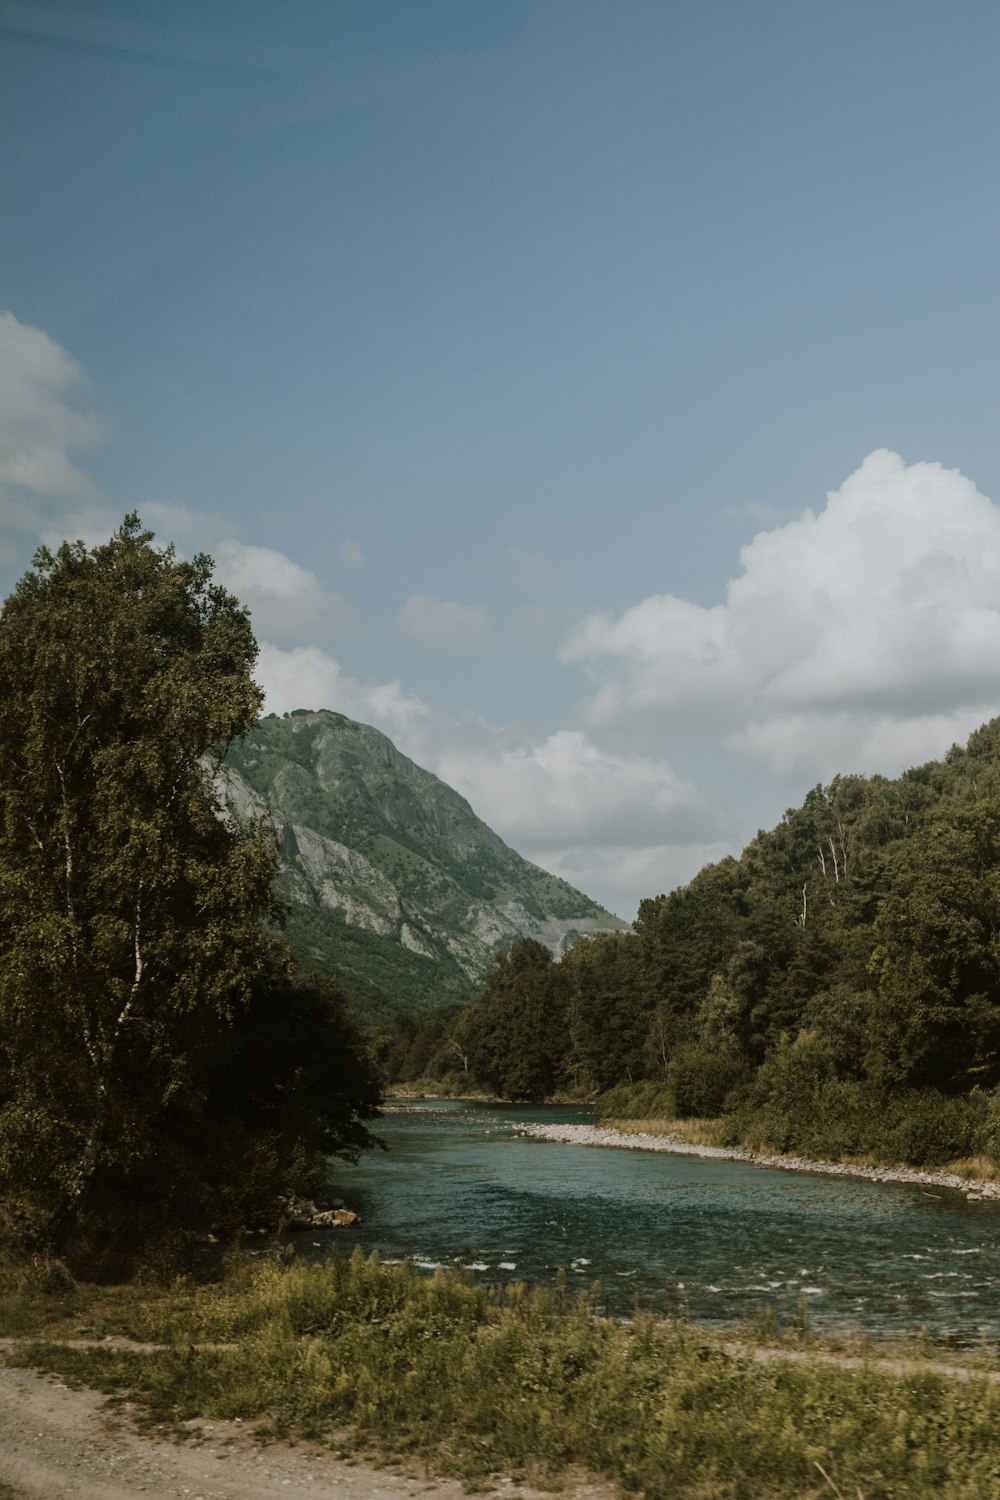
<point>505,356</point>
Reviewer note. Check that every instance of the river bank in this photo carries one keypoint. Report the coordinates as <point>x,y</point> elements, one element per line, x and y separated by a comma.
<point>975,1189</point>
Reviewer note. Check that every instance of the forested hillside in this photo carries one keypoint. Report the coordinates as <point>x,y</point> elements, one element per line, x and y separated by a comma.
<point>836,988</point>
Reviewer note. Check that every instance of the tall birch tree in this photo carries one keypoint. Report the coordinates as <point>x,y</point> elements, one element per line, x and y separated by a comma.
<point>131,912</point>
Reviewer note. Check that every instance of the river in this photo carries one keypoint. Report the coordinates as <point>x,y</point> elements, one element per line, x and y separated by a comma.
<point>711,1240</point>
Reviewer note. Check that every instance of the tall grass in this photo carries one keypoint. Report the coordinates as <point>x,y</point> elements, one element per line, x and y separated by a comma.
<point>481,1381</point>
<point>636,1101</point>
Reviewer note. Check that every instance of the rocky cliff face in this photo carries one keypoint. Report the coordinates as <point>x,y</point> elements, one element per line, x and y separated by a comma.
<point>388,874</point>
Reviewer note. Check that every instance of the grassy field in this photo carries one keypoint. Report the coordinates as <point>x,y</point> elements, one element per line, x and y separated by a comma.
<point>480,1382</point>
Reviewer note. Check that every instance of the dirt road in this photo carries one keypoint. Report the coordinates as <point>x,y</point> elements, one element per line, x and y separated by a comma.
<point>62,1444</point>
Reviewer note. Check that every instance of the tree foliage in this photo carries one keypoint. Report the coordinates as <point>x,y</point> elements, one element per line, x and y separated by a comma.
<point>936,1019</point>
<point>515,1034</point>
<point>133,917</point>
<point>837,987</point>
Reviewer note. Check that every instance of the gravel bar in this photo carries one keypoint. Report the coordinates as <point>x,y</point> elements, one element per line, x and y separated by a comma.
<point>598,1135</point>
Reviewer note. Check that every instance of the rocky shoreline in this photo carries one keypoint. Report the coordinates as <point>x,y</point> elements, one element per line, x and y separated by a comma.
<point>976,1190</point>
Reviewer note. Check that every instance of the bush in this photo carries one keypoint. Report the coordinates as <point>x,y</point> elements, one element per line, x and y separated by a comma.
<point>703,1078</point>
<point>927,1128</point>
<point>793,1108</point>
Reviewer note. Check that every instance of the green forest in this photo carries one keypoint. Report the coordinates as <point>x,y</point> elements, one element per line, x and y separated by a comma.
<point>834,991</point>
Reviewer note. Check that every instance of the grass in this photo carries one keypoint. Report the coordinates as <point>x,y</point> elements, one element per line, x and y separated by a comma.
<point>480,1382</point>
<point>692,1132</point>
<point>973,1168</point>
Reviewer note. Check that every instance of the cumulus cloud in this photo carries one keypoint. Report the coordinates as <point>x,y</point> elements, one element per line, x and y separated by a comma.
<point>44,421</point>
<point>620,876</point>
<point>616,824</point>
<point>351,556</point>
<point>309,677</point>
<point>444,624</point>
<point>867,635</point>
<point>562,789</point>
<point>286,600</point>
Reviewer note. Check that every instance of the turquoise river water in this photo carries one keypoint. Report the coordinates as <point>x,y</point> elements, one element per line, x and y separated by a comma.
<point>706,1239</point>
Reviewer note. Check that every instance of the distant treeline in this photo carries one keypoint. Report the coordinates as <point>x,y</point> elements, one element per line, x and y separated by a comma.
<point>835,989</point>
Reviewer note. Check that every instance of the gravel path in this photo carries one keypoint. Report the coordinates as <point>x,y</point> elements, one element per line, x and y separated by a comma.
<point>62,1444</point>
<point>597,1135</point>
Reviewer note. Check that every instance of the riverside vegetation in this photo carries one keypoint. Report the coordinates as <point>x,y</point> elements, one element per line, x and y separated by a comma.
<point>834,992</point>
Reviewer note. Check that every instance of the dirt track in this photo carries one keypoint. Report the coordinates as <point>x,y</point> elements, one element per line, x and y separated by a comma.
<point>56,1443</point>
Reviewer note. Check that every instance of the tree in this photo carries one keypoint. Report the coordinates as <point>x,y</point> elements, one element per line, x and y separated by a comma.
<point>705,1070</point>
<point>936,1015</point>
<point>132,914</point>
<point>290,1086</point>
<point>608,1022</point>
<point>515,1034</point>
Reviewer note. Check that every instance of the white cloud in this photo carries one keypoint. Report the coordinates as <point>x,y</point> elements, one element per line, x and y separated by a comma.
<point>308,677</point>
<point>351,556</point>
<point>285,599</point>
<point>620,876</point>
<point>43,422</point>
<point>867,636</point>
<point>444,624</point>
<point>561,788</point>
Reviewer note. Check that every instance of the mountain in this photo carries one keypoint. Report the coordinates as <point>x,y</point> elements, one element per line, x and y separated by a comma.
<point>389,876</point>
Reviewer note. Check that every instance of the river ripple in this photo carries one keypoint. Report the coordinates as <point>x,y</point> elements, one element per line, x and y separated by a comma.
<point>463,1185</point>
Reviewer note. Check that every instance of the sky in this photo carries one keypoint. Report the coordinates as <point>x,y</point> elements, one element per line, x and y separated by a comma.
<point>598,396</point>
